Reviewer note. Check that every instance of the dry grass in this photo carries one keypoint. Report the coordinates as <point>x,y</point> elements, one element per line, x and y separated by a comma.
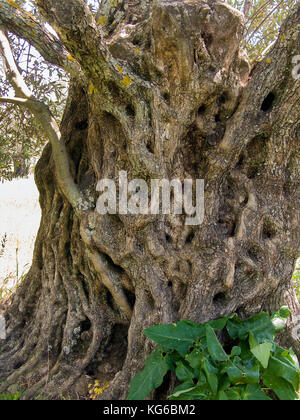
<point>19,220</point>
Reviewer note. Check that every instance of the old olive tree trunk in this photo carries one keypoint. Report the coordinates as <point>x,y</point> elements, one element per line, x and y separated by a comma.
<point>160,90</point>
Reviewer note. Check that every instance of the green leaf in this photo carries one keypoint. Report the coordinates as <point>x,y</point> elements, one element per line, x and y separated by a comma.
<point>222,396</point>
<point>253,392</point>
<point>236,351</point>
<point>179,336</point>
<point>245,372</point>
<point>278,368</point>
<point>224,383</point>
<point>196,393</point>
<point>214,347</point>
<point>184,372</point>
<point>262,353</point>
<point>151,377</point>
<point>219,324</point>
<point>212,378</point>
<point>259,325</point>
<point>183,388</point>
<point>196,358</point>
<point>279,319</point>
<point>281,387</point>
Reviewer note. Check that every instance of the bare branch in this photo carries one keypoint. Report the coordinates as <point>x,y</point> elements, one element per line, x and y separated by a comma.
<point>25,26</point>
<point>247,7</point>
<point>14,101</point>
<point>12,72</point>
<point>79,32</point>
<point>46,120</point>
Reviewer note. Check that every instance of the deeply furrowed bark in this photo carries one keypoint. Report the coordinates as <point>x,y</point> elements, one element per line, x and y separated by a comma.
<point>192,111</point>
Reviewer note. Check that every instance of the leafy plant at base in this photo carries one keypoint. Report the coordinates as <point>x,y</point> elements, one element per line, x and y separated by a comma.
<point>10,397</point>
<point>256,368</point>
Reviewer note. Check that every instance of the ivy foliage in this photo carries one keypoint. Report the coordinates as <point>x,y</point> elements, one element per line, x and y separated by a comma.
<point>253,367</point>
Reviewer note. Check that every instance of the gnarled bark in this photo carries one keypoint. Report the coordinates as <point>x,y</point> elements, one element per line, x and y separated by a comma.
<point>166,93</point>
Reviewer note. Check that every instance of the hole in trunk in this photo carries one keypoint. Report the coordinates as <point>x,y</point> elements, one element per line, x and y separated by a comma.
<point>82,125</point>
<point>219,298</point>
<point>130,297</point>
<point>268,102</point>
<point>85,325</point>
<point>168,238</point>
<point>166,97</point>
<point>201,110</point>
<point>207,38</point>
<point>130,111</point>
<point>223,98</point>
<point>190,238</point>
<point>269,230</point>
<point>18,365</point>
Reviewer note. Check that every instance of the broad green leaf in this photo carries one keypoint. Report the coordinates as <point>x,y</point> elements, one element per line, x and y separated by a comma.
<point>279,319</point>
<point>222,396</point>
<point>224,383</point>
<point>150,378</point>
<point>279,369</point>
<point>287,356</point>
<point>262,353</point>
<point>219,324</point>
<point>234,394</point>
<point>196,358</point>
<point>179,336</point>
<point>184,372</point>
<point>259,325</point>
<point>243,372</point>
<point>281,387</point>
<point>236,351</point>
<point>252,342</point>
<point>196,393</point>
<point>214,347</point>
<point>183,388</point>
<point>211,374</point>
<point>253,392</point>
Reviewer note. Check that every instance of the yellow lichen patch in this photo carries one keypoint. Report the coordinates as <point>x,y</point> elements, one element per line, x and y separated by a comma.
<point>102,21</point>
<point>119,68</point>
<point>93,90</point>
<point>127,81</point>
<point>30,15</point>
<point>96,389</point>
<point>13,4</point>
<point>71,58</point>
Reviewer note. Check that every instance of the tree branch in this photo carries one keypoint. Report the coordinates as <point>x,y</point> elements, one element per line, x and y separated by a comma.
<point>46,120</point>
<point>247,7</point>
<point>25,26</point>
<point>79,32</point>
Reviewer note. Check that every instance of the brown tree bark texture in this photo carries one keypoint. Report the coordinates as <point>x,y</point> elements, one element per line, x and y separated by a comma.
<point>164,91</point>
